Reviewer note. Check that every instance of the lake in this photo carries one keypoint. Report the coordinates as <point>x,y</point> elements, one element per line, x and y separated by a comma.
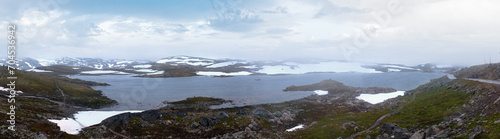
<point>136,93</point>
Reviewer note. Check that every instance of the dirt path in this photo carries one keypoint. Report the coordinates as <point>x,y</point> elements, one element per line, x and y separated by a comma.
<point>379,120</point>
<point>61,91</point>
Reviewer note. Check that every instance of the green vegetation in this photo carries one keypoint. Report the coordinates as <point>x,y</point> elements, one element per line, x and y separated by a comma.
<point>434,104</point>
<point>486,71</point>
<point>60,69</point>
<point>430,107</point>
<point>74,91</point>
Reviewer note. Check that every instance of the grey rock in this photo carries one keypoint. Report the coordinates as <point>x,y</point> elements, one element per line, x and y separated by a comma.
<point>40,136</point>
<point>277,114</point>
<point>348,123</point>
<point>498,121</point>
<point>418,135</point>
<point>261,112</point>
<point>398,132</point>
<point>241,112</point>
<point>223,115</point>
<point>477,130</point>
<point>194,125</point>
<point>206,122</point>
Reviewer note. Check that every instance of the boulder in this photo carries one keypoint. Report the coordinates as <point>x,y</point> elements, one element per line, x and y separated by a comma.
<point>261,112</point>
<point>222,115</point>
<point>241,112</point>
<point>206,122</point>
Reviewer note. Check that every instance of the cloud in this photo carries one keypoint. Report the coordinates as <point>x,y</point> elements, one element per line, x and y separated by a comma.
<point>230,18</point>
<point>333,9</point>
<point>277,10</point>
<point>260,29</point>
<point>278,31</point>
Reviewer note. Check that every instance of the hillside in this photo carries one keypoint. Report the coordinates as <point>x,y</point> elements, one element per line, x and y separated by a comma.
<point>486,71</point>
<point>47,96</point>
<point>71,91</point>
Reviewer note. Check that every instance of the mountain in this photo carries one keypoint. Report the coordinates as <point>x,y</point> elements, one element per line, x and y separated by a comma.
<point>181,66</point>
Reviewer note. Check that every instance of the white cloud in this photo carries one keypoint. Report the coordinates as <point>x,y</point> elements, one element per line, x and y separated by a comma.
<point>271,30</point>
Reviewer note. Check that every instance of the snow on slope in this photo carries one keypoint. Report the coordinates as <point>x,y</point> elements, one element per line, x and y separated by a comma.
<point>295,128</point>
<point>380,97</point>
<point>38,70</point>
<point>103,72</point>
<point>143,66</point>
<point>186,60</point>
<point>297,68</point>
<point>224,64</point>
<point>215,73</point>
<point>85,119</point>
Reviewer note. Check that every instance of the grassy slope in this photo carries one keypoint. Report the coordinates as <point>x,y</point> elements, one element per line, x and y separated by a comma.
<point>434,103</point>
<point>44,85</point>
<point>486,71</point>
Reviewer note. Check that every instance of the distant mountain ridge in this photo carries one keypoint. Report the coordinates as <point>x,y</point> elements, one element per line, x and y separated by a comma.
<point>197,64</point>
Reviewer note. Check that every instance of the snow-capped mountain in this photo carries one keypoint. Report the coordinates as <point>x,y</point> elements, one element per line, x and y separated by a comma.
<point>94,63</point>
<point>186,60</point>
<point>188,66</point>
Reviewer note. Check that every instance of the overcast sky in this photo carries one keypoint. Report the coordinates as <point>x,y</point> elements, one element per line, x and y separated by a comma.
<point>384,31</point>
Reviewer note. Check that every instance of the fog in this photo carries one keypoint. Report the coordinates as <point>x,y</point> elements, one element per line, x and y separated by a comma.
<point>453,32</point>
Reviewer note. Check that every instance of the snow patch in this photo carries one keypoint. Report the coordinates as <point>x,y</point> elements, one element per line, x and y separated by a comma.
<point>380,97</point>
<point>85,119</point>
<point>123,62</point>
<point>399,67</point>
<point>186,60</point>
<point>142,66</point>
<point>155,73</point>
<point>295,128</point>
<point>320,92</point>
<point>45,62</point>
<point>103,72</point>
<point>29,65</point>
<point>223,64</point>
<point>98,66</point>
<point>38,70</point>
<point>216,73</point>
<point>393,70</point>
<point>163,61</point>
<point>249,67</point>
<point>296,68</point>
<point>146,70</point>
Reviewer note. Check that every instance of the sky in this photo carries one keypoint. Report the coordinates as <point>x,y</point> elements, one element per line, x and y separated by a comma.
<point>452,32</point>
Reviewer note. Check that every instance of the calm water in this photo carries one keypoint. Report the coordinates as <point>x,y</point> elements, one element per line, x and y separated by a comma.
<point>133,93</point>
